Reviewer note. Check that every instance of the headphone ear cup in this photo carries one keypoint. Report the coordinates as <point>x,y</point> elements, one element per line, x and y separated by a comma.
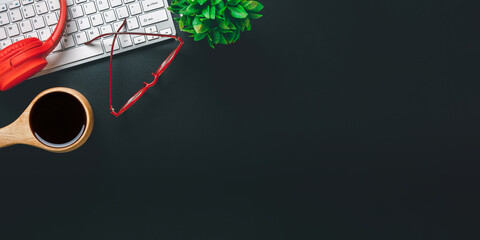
<point>13,72</point>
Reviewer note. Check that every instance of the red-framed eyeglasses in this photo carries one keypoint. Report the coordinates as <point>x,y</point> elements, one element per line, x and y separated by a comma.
<point>156,74</point>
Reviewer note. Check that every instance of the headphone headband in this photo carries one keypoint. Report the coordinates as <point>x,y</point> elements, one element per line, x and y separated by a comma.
<point>57,34</point>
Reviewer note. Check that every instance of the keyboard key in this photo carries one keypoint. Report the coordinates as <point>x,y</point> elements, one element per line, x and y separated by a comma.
<point>115,3</point>
<point>139,39</point>
<point>3,7</point>
<point>107,42</point>
<point>71,27</point>
<point>15,15</point>
<point>167,31</point>
<point>3,34</point>
<point>125,40</point>
<point>16,39</point>
<point>6,43</point>
<point>26,26</point>
<point>151,4</point>
<point>28,11</point>
<point>83,23</point>
<point>122,12</point>
<point>106,29</point>
<point>41,7</point>
<point>44,34</point>
<point>53,5</point>
<point>102,5</point>
<point>51,19</point>
<point>4,19</point>
<point>96,19</point>
<point>14,4</point>
<point>92,33</point>
<point>31,34</point>
<point>89,8</point>
<point>74,54</point>
<point>68,42</point>
<point>70,3</point>
<point>81,38</point>
<point>38,22</point>
<point>128,1</point>
<point>152,29</point>
<point>80,1</point>
<point>153,17</point>
<point>117,25</point>
<point>26,2</point>
<point>132,23</point>
<point>76,11</point>
<point>109,16</point>
<point>135,8</point>
<point>12,30</point>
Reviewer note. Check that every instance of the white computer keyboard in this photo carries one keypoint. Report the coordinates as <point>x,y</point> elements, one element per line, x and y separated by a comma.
<point>86,19</point>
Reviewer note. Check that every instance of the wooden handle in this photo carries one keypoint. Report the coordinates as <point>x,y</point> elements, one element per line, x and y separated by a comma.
<point>16,133</point>
<point>7,137</point>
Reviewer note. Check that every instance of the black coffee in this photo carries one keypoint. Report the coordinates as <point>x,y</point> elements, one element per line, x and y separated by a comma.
<point>58,119</point>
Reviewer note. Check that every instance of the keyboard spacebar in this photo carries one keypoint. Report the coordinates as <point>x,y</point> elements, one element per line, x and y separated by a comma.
<point>73,55</point>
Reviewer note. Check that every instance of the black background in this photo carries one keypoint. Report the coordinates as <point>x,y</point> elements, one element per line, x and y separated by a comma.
<point>329,120</point>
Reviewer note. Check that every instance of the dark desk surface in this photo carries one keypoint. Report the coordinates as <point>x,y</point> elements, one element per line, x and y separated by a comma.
<point>334,120</point>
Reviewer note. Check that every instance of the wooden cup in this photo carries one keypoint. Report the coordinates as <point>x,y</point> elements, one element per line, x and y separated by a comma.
<point>20,132</point>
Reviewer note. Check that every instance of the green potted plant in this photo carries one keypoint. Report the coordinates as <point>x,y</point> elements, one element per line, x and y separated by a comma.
<point>219,21</point>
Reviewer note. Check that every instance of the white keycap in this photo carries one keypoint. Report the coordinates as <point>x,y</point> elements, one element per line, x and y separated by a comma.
<point>122,12</point>
<point>44,34</point>
<point>102,5</point>
<point>68,42</point>
<point>107,42</point>
<point>117,25</point>
<point>135,8</point>
<point>31,34</point>
<point>58,47</point>
<point>38,22</point>
<point>128,1</point>
<point>89,8</point>
<point>16,39</point>
<point>26,26</point>
<point>81,38</point>
<point>92,33</point>
<point>151,4</point>
<point>70,3</point>
<point>28,11</point>
<point>109,16</point>
<point>139,39</point>
<point>76,11</point>
<point>3,7</point>
<point>80,1</point>
<point>167,31</point>
<point>83,23</point>
<point>3,34</point>
<point>5,43</point>
<point>4,19</point>
<point>14,4</point>
<point>71,27</point>
<point>73,55</point>
<point>153,17</point>
<point>53,5</point>
<point>152,29</point>
<point>115,3</point>
<point>125,40</point>
<point>132,23</point>
<point>15,15</point>
<point>106,29</point>
<point>41,7</point>
<point>51,19</point>
<point>26,2</point>
<point>12,30</point>
<point>96,19</point>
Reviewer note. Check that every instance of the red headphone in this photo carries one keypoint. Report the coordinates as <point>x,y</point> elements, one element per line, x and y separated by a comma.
<point>26,57</point>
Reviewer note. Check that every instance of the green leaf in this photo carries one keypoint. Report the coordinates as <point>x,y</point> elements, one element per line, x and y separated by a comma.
<point>222,24</point>
<point>229,37</point>
<point>238,12</point>
<point>233,2</point>
<point>183,10</point>
<point>206,12</point>
<point>248,26</point>
<point>199,36</point>
<point>197,24</point>
<point>201,2</point>
<point>223,40</point>
<point>216,37</point>
<point>254,15</point>
<point>222,11</point>
<point>253,6</point>
<point>215,2</point>
<point>212,12</point>
<point>193,9</point>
